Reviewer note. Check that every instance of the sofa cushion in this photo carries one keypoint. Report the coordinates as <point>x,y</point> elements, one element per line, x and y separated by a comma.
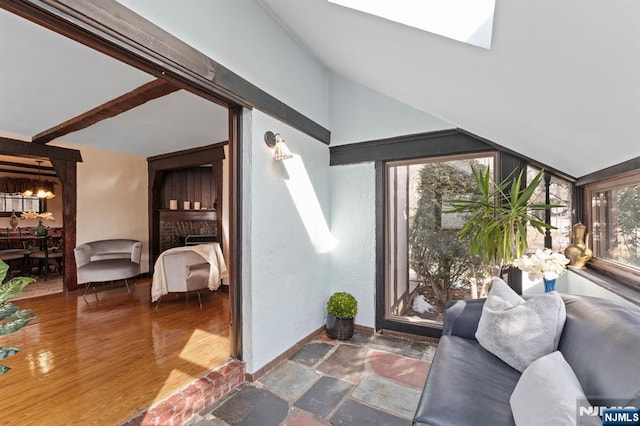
<point>108,270</point>
<point>601,343</point>
<point>519,331</point>
<point>546,394</point>
<point>466,385</point>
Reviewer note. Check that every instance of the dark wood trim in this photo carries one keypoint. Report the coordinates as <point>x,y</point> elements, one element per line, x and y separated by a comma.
<point>192,157</point>
<point>381,243</point>
<point>29,166</point>
<point>628,166</point>
<point>20,148</point>
<point>188,215</point>
<point>67,172</point>
<point>235,229</point>
<point>158,165</point>
<point>430,144</point>
<point>22,172</point>
<point>136,97</point>
<point>111,28</point>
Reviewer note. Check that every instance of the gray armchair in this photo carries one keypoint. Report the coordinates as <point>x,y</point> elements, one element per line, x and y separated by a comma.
<point>185,271</point>
<point>108,260</point>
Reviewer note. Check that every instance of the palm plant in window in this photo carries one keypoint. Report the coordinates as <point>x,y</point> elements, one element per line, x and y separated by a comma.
<point>498,216</point>
<point>12,318</point>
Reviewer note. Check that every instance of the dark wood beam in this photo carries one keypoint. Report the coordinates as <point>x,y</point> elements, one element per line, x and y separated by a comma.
<point>22,172</point>
<point>20,148</point>
<point>111,28</point>
<point>138,96</point>
<point>26,166</point>
<point>67,171</point>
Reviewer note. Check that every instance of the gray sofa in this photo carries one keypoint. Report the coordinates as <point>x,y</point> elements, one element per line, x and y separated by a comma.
<point>467,385</point>
<point>108,260</point>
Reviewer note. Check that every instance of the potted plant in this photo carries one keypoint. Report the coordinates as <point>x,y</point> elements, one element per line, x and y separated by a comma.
<point>11,317</point>
<point>498,218</point>
<point>342,307</point>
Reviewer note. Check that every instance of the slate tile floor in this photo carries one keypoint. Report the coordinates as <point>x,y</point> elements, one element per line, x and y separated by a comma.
<point>367,381</point>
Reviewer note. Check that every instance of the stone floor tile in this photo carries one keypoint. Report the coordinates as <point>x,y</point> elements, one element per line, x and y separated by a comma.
<point>251,406</point>
<point>346,362</point>
<point>310,354</point>
<point>323,397</point>
<point>353,413</point>
<point>290,379</point>
<point>401,347</point>
<point>298,417</point>
<point>387,395</point>
<point>430,353</point>
<point>408,371</point>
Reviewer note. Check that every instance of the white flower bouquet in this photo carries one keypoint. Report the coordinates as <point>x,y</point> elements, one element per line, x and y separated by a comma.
<point>545,264</point>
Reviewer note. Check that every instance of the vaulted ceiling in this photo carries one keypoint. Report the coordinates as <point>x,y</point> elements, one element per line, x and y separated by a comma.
<point>560,84</point>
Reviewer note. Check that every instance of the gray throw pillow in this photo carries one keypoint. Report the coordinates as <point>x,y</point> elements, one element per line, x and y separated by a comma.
<point>547,393</point>
<point>520,331</point>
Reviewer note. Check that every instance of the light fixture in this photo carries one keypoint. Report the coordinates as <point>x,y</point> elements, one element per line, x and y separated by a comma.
<point>280,151</point>
<point>40,190</point>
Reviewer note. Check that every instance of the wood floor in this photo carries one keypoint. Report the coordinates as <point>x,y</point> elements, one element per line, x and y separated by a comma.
<point>103,360</point>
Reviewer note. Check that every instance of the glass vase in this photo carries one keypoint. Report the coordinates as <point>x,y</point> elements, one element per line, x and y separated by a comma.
<point>40,230</point>
<point>549,285</point>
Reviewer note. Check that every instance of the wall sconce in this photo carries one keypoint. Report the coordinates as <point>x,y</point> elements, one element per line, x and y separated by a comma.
<point>281,151</point>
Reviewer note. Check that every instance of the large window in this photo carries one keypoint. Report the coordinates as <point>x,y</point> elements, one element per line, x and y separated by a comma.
<point>426,263</point>
<point>18,203</point>
<point>614,218</point>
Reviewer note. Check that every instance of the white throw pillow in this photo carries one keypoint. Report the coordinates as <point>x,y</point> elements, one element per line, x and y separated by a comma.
<point>547,394</point>
<point>520,331</point>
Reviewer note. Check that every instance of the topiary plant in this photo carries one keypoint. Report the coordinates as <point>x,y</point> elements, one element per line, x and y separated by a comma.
<point>12,319</point>
<point>342,305</point>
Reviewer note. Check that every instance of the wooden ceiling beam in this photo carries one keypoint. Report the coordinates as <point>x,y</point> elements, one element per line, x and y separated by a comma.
<point>138,96</point>
<point>25,165</point>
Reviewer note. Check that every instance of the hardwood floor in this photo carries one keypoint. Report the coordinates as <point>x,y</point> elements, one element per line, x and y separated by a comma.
<point>103,360</point>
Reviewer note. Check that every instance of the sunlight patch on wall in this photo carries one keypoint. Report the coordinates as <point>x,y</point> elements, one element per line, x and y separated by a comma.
<point>468,21</point>
<point>307,204</point>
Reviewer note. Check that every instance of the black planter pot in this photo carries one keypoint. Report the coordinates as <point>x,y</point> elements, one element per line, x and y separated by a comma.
<point>339,328</point>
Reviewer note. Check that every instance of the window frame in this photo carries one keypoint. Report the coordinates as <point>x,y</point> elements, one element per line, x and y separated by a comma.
<point>626,274</point>
<point>395,322</point>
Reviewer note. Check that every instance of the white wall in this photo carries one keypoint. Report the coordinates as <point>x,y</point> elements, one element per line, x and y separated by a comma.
<point>360,114</point>
<point>572,283</point>
<point>242,36</point>
<point>286,267</point>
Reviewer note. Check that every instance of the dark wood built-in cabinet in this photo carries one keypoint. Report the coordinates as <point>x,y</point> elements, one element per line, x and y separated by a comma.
<point>193,175</point>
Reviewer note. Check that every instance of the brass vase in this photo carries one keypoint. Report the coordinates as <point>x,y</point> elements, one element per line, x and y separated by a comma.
<point>13,220</point>
<point>578,251</point>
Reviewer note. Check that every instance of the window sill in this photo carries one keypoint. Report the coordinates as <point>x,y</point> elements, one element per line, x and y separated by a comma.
<point>609,283</point>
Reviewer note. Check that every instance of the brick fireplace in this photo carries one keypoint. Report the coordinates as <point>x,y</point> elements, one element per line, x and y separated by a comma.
<point>175,225</point>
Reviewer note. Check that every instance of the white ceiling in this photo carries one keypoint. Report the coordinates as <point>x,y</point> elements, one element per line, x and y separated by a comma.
<point>560,84</point>
<point>46,79</point>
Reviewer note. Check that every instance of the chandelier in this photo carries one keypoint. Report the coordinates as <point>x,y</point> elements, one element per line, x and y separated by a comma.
<point>39,191</point>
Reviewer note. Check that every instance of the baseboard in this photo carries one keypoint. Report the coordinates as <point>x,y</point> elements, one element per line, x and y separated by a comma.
<point>252,377</point>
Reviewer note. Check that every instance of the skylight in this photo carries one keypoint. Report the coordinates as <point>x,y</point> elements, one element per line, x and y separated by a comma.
<point>468,21</point>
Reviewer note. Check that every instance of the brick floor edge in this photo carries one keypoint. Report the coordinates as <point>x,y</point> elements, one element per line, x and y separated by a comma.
<point>183,405</point>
